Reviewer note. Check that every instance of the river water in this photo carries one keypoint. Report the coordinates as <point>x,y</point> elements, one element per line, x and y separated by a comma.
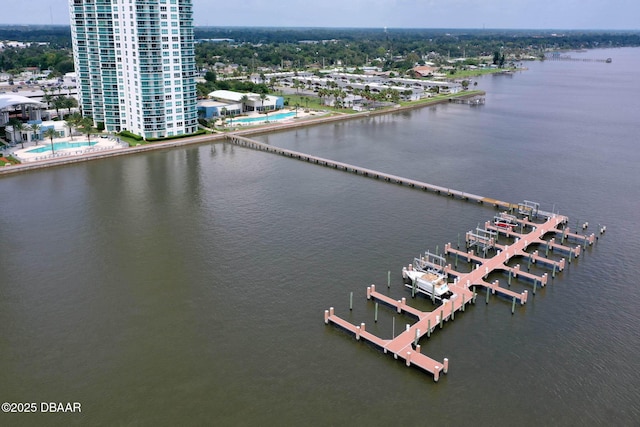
<point>187,286</point>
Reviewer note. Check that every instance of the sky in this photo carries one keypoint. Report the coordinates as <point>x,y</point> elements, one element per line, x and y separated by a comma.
<point>510,14</point>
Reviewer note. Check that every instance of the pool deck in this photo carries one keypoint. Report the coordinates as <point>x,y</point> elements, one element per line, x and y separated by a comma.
<point>99,143</point>
<point>260,119</point>
<point>314,118</point>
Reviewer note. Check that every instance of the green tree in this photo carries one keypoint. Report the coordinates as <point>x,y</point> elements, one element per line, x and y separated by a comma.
<point>69,102</point>
<point>73,120</point>
<point>244,101</point>
<point>17,127</point>
<point>223,112</point>
<point>58,103</point>
<point>210,76</point>
<point>262,98</point>
<point>47,97</point>
<point>35,128</point>
<point>86,125</point>
<point>50,133</point>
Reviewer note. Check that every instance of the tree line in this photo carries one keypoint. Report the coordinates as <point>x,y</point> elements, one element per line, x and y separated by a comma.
<point>253,48</point>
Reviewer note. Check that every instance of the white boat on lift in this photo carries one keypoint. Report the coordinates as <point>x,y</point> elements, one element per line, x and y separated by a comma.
<point>428,281</point>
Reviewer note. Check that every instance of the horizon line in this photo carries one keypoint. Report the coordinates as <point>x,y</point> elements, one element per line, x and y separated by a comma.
<point>382,28</point>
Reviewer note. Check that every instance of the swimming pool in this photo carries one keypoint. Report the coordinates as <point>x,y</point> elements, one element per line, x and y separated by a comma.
<point>265,117</point>
<point>65,145</point>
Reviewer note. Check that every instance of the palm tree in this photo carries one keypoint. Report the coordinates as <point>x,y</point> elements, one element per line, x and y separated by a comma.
<point>322,93</point>
<point>223,112</point>
<point>13,122</point>
<point>35,128</point>
<point>50,133</point>
<point>69,103</point>
<point>262,98</point>
<point>244,100</point>
<point>73,120</point>
<point>18,126</point>
<point>47,97</point>
<point>58,103</point>
<point>86,125</point>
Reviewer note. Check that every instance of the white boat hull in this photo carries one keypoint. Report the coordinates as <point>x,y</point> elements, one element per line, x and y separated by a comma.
<point>429,283</point>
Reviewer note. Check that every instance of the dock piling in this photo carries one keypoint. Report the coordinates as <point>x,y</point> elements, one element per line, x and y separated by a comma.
<point>393,327</point>
<point>407,347</point>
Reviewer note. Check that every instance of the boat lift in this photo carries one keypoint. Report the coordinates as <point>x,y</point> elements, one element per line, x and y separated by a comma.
<point>482,238</point>
<point>430,262</point>
<point>505,218</point>
<point>528,208</point>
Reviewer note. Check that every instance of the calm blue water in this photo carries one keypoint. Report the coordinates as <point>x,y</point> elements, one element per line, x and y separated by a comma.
<point>65,145</point>
<point>188,286</point>
<point>270,117</point>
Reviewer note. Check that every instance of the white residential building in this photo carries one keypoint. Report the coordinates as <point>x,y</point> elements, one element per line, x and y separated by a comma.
<point>135,63</point>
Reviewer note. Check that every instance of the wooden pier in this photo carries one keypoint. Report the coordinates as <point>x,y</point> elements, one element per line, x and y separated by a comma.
<point>369,173</point>
<point>406,345</point>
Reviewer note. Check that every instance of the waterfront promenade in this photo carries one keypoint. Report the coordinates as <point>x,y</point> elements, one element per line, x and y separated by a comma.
<point>221,137</point>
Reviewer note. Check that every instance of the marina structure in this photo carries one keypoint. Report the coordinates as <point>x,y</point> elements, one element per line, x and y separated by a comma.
<point>464,288</point>
<point>135,65</point>
<point>525,229</point>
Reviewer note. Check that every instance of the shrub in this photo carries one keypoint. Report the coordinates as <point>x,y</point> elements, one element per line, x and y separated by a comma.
<point>127,134</point>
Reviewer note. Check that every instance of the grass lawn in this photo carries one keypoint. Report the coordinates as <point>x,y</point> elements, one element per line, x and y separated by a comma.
<point>8,161</point>
<point>478,72</point>
<point>311,103</point>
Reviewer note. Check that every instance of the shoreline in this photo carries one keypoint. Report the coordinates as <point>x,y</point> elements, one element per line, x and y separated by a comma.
<point>203,139</point>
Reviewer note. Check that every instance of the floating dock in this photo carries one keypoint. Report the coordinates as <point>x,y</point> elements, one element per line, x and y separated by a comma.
<point>406,345</point>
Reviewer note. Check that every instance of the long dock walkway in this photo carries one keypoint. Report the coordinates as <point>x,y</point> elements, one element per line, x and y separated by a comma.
<point>370,173</point>
<point>406,345</point>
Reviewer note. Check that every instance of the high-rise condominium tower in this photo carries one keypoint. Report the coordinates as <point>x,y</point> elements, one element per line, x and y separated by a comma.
<point>136,65</point>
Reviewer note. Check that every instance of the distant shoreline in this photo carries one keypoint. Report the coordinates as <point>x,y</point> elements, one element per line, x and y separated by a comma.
<point>217,137</point>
